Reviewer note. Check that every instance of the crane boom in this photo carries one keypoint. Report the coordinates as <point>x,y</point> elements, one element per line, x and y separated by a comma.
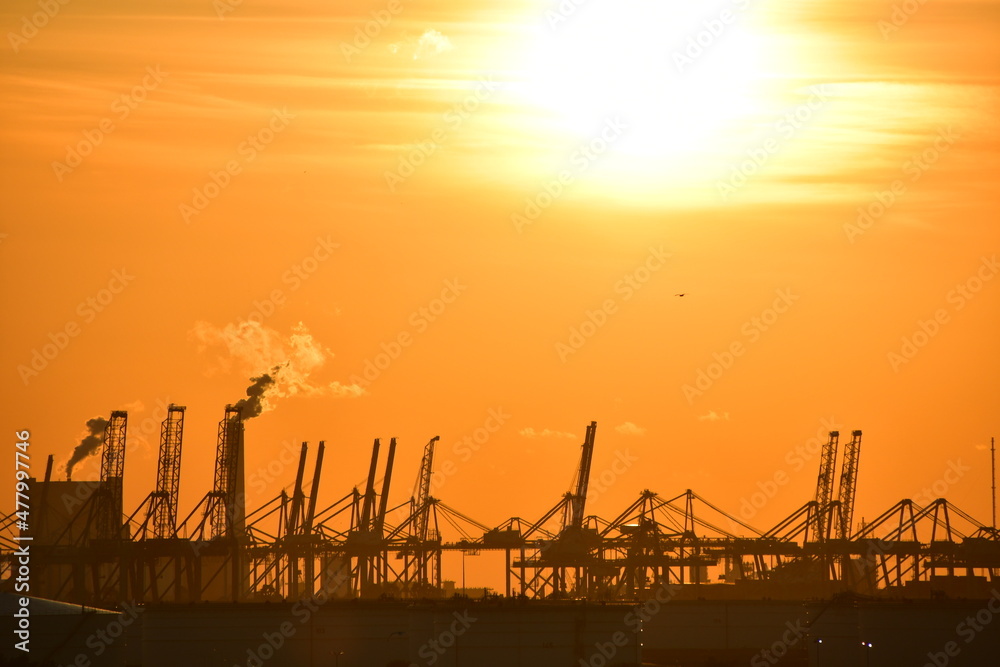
<point>368,502</point>
<point>419,502</point>
<point>848,483</point>
<point>314,493</point>
<point>386,480</point>
<point>579,499</point>
<point>824,483</point>
<point>297,493</point>
<point>112,472</point>
<point>226,516</point>
<point>168,473</point>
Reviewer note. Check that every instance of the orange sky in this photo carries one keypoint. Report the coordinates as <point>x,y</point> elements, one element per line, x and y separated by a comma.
<point>495,107</point>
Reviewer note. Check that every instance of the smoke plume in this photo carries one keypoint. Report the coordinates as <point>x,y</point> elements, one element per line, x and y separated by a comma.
<point>292,359</point>
<point>256,400</point>
<point>88,445</point>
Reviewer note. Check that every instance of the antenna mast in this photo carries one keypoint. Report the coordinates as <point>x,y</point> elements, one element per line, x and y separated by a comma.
<point>993,473</point>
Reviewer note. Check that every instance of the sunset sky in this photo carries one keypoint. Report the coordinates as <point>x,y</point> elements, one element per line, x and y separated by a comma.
<point>446,216</point>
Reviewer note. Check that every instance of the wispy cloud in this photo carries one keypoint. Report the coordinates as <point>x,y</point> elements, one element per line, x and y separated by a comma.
<point>713,416</point>
<point>628,428</point>
<point>544,433</point>
<point>430,43</point>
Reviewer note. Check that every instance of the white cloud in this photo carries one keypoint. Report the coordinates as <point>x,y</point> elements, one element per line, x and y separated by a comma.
<point>346,390</point>
<point>713,416</point>
<point>628,428</point>
<point>431,43</point>
<point>544,433</point>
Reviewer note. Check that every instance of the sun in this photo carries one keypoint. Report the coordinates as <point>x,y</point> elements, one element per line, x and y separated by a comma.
<point>682,77</point>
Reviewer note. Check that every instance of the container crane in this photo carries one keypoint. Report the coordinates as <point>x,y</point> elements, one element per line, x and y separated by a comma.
<point>824,486</point>
<point>848,484</point>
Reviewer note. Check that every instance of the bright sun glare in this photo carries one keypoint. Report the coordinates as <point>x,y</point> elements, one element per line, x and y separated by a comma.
<point>678,75</point>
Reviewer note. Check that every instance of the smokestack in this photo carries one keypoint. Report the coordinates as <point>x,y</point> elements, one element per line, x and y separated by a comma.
<point>254,403</point>
<point>88,445</point>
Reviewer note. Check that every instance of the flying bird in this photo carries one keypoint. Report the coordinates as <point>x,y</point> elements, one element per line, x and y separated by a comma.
<point>681,294</point>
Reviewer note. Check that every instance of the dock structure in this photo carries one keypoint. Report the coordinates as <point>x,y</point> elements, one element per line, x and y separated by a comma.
<point>87,551</point>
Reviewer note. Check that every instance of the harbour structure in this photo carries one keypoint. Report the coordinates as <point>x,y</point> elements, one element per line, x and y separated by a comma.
<point>86,550</point>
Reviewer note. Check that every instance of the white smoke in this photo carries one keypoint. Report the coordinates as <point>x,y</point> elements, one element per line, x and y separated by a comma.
<point>287,361</point>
